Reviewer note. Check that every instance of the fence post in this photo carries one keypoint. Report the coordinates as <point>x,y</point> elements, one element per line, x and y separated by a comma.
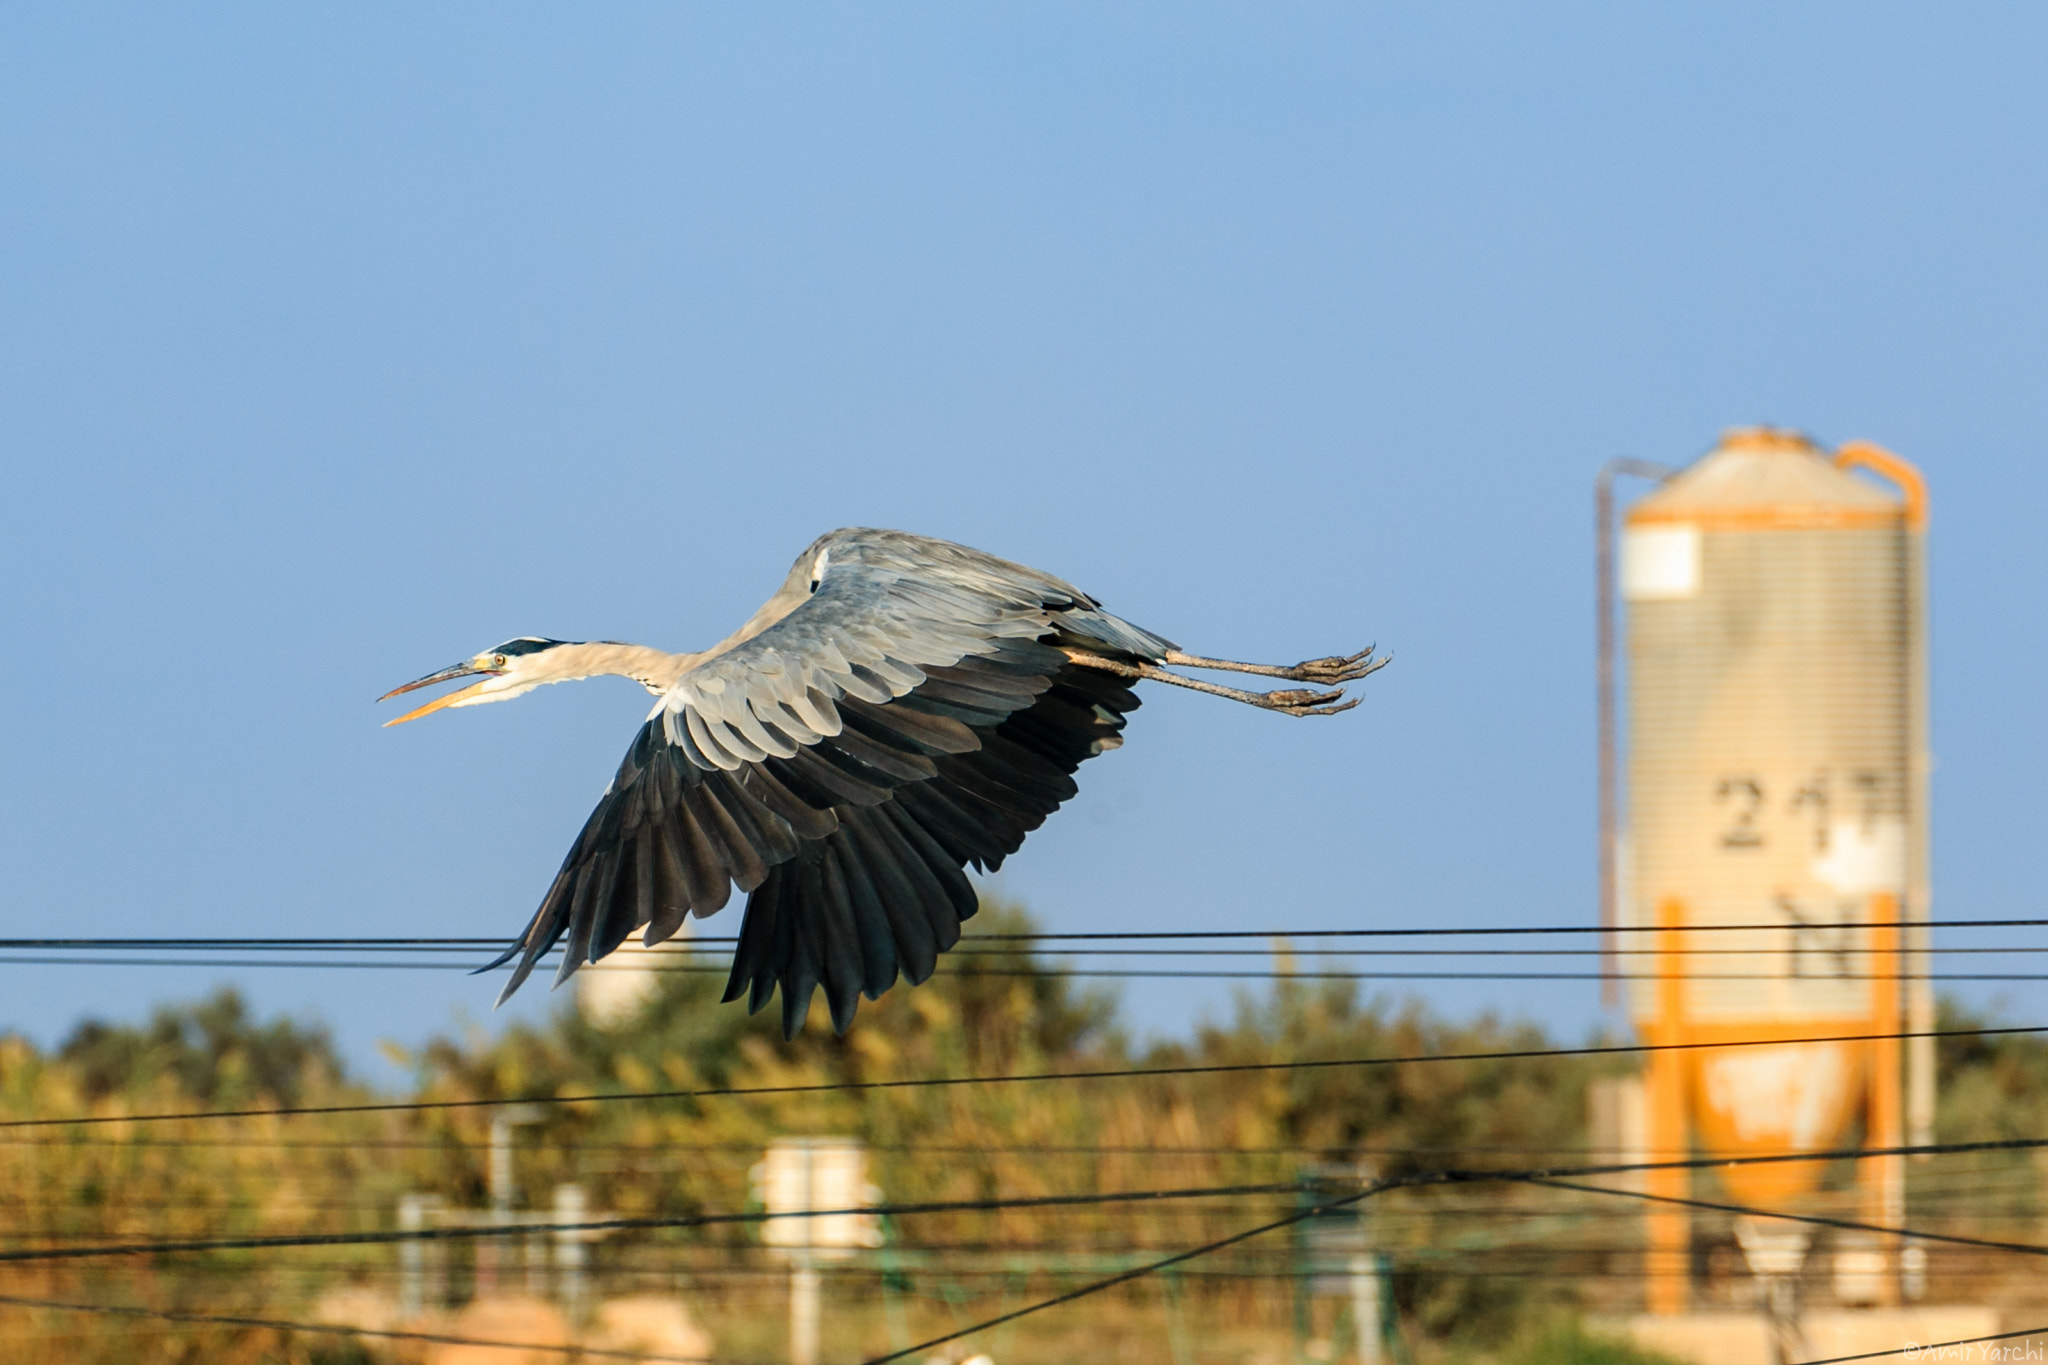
<point>571,1206</point>
<point>412,1254</point>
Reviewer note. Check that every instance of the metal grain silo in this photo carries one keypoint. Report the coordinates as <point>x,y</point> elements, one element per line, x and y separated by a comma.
<point>1776,792</point>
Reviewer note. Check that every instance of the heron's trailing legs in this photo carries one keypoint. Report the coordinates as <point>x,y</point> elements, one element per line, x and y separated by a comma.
<point>1292,701</point>
<point>1338,668</point>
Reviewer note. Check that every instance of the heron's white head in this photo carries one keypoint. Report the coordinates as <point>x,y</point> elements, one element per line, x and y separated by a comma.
<point>508,670</point>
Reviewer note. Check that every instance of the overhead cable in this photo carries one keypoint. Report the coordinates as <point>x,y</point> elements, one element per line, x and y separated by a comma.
<point>1815,1219</point>
<point>929,1082</point>
<point>1138,1272</point>
<point>1094,936</point>
<point>335,1329</point>
<point>954,969</point>
<point>1931,1350</point>
<point>1382,1186</point>
<point>477,1232</point>
<point>1446,1176</point>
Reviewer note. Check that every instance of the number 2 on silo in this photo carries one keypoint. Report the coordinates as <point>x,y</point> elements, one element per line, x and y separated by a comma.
<point>1746,790</point>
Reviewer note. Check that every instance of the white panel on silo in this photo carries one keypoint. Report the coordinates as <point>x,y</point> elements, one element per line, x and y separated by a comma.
<point>1660,562</point>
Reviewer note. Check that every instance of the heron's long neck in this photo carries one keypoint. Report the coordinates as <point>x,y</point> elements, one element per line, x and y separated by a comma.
<point>654,669</point>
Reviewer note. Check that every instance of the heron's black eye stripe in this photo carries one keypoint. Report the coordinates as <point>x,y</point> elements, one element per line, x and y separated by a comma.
<point>526,644</point>
<point>814,585</point>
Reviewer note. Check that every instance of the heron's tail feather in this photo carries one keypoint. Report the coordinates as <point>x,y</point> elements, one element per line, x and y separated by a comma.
<point>1093,623</point>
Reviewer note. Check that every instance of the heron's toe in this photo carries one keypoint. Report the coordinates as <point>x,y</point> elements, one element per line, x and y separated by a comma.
<point>1300,700</point>
<point>1336,668</point>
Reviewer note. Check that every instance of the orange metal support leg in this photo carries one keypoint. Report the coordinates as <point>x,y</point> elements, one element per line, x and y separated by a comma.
<point>1884,1177</point>
<point>1668,1265</point>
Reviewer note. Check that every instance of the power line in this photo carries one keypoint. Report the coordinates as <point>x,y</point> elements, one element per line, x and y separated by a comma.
<point>1379,1187</point>
<point>1818,1220</point>
<point>1911,1234</point>
<point>1853,1225</point>
<point>1136,1273</point>
<point>332,1329</point>
<point>926,1082</point>
<point>956,971</point>
<point>969,947</point>
<point>373,1205</point>
<point>1490,929</point>
<point>752,1150</point>
<point>1461,1210</point>
<point>1537,1177</point>
<point>1928,1349</point>
<point>1414,1179</point>
<point>487,1231</point>
<point>1094,936</point>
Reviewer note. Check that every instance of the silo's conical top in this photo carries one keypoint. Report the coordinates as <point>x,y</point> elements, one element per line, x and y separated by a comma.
<point>1763,478</point>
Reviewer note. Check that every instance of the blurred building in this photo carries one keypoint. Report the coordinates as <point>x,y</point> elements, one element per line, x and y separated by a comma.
<point>612,991</point>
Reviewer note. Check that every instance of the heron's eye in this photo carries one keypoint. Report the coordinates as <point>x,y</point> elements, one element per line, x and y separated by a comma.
<point>500,661</point>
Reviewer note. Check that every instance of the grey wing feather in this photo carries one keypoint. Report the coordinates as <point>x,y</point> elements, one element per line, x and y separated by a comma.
<point>885,607</point>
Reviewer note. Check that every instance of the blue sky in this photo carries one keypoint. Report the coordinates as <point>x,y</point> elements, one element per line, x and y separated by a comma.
<point>338,344</point>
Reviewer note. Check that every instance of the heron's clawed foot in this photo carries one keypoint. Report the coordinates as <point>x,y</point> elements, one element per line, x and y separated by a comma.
<point>1338,668</point>
<point>1302,702</point>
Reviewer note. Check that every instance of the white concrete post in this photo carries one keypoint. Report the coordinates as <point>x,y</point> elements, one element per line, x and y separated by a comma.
<point>803,1311</point>
<point>492,1252</point>
<point>1365,1306</point>
<point>412,1258</point>
<point>570,1255</point>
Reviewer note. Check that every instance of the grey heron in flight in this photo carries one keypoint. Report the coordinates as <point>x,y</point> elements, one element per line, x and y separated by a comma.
<point>902,708</point>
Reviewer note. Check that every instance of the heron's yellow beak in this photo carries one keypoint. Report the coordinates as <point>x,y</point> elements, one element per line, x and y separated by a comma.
<point>466,669</point>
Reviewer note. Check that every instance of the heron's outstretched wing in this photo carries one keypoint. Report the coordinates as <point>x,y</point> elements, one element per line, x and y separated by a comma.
<point>912,713</point>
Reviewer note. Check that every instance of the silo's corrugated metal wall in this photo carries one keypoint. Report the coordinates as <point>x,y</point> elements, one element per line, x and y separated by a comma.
<point>1770,754</point>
